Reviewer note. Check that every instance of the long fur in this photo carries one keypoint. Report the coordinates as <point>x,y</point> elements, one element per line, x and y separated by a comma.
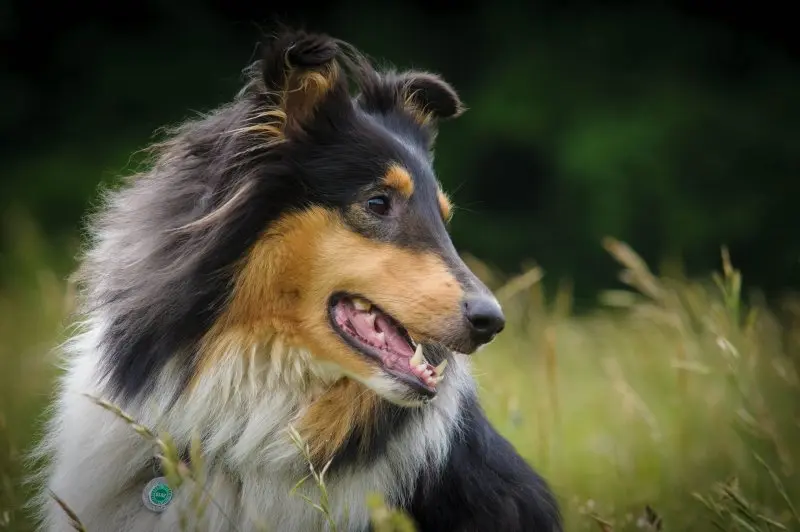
<point>99,461</point>
<point>168,272</point>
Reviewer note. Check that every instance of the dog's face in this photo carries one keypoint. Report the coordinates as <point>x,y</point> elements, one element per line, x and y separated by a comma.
<point>361,270</point>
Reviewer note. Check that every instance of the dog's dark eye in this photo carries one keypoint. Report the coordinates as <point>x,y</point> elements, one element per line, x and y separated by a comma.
<point>379,205</point>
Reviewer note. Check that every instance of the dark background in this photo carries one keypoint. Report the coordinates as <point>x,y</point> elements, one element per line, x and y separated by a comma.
<point>672,126</point>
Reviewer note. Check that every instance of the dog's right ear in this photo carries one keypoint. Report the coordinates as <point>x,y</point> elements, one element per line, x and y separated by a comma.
<point>299,71</point>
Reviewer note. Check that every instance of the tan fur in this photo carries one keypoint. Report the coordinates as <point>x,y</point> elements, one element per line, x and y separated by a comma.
<point>411,103</point>
<point>269,123</point>
<point>285,282</point>
<point>298,99</point>
<point>445,207</point>
<point>346,406</point>
<point>400,180</point>
<point>304,91</point>
<point>283,289</point>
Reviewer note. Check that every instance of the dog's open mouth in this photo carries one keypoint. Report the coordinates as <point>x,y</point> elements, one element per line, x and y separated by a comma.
<point>380,337</point>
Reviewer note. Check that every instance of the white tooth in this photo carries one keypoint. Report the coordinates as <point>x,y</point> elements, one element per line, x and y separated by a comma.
<point>439,379</point>
<point>418,357</point>
<point>371,320</point>
<point>381,337</point>
<point>361,304</point>
<point>440,368</point>
<point>421,368</point>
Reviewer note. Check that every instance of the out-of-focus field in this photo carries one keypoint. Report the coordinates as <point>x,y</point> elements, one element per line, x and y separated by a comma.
<point>674,407</point>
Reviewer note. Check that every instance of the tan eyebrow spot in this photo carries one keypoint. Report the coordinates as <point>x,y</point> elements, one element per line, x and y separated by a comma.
<point>445,206</point>
<point>399,179</point>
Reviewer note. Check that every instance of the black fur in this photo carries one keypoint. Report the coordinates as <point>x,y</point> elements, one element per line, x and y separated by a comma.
<point>295,49</point>
<point>361,447</point>
<point>485,485</point>
<point>428,91</point>
<point>172,295</point>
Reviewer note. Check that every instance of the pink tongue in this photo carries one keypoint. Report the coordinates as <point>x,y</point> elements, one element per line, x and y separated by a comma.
<point>392,340</point>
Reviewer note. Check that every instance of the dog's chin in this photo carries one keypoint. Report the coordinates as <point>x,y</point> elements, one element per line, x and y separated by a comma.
<point>395,391</point>
<point>405,373</point>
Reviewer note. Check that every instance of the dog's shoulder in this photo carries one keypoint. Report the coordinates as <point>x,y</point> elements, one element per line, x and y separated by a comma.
<point>484,485</point>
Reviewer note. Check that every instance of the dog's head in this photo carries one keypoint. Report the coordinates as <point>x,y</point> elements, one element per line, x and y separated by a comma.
<point>317,218</point>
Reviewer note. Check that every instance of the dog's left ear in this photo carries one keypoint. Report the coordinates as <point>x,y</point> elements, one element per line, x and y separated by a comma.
<point>428,96</point>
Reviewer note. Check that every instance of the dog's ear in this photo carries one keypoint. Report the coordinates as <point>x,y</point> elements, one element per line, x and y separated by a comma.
<point>428,96</point>
<point>299,71</point>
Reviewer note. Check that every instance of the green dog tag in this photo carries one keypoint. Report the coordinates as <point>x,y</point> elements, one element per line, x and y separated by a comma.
<point>157,494</point>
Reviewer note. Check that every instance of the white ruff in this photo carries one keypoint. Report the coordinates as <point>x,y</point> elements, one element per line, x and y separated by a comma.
<point>242,409</point>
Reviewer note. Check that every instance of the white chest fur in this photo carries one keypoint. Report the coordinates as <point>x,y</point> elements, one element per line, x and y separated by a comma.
<point>242,409</point>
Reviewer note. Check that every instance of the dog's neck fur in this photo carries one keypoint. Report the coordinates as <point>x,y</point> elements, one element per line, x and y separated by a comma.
<point>241,410</point>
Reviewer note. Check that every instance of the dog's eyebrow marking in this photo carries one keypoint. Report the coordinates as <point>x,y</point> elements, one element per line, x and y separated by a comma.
<point>445,207</point>
<point>399,179</point>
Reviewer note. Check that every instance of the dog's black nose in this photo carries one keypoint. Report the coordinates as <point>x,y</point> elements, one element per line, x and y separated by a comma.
<point>485,317</point>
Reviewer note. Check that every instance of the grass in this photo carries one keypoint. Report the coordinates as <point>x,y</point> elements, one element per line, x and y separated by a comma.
<point>674,406</point>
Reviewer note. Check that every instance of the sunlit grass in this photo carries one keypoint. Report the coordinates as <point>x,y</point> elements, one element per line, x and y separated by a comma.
<point>665,402</point>
<point>675,406</point>
<point>33,303</point>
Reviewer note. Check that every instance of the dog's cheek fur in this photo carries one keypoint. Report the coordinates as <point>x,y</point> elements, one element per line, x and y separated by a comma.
<point>416,287</point>
<point>274,295</point>
<point>285,283</point>
<point>287,280</point>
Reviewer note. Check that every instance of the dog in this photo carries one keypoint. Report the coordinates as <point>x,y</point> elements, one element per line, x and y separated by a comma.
<point>283,267</point>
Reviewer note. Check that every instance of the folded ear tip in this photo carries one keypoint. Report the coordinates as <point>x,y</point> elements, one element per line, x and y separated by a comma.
<point>308,50</point>
<point>438,95</point>
<point>294,52</point>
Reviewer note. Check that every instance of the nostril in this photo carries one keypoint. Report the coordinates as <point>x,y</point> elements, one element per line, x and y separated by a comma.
<point>485,317</point>
<point>481,323</point>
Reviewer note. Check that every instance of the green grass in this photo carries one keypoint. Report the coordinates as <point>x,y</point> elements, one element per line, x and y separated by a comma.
<point>676,405</point>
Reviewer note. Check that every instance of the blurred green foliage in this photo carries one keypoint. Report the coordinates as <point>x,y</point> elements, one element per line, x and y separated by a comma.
<point>672,133</point>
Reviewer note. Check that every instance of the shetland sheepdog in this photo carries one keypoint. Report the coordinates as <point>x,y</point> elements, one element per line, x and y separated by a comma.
<point>283,267</point>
